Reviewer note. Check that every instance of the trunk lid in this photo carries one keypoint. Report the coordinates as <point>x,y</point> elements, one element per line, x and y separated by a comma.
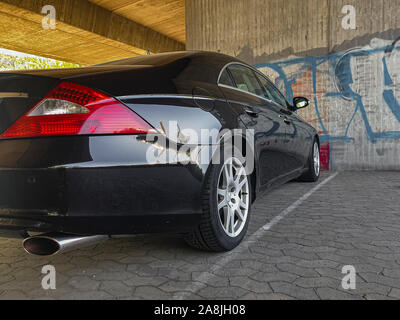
<point>22,90</point>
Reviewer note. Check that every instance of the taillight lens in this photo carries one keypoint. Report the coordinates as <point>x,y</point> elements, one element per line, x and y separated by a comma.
<point>72,109</point>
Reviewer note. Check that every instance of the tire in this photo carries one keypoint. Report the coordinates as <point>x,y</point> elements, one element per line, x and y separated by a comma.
<point>313,168</point>
<point>212,232</point>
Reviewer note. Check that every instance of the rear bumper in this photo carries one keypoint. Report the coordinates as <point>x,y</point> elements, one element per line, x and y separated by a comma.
<point>95,185</point>
<point>13,226</point>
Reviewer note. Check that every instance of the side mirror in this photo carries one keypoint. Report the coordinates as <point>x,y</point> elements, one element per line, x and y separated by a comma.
<point>300,103</point>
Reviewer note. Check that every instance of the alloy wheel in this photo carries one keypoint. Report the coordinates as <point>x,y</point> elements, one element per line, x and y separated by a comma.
<point>317,163</point>
<point>233,197</point>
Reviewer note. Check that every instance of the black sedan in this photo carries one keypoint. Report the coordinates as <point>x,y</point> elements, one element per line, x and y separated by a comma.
<point>134,146</point>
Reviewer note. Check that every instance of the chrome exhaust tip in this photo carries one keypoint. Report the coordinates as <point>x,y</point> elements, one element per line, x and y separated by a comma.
<point>50,244</point>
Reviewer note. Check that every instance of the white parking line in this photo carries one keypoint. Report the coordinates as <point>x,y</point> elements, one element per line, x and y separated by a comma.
<point>205,277</point>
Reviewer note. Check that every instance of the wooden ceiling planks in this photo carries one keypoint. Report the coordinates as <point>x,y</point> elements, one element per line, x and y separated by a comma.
<point>164,16</point>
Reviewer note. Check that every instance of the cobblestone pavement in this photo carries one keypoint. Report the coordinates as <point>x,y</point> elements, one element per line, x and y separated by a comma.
<point>354,219</point>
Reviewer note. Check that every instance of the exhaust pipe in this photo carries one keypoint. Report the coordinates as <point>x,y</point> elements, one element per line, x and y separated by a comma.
<point>52,243</point>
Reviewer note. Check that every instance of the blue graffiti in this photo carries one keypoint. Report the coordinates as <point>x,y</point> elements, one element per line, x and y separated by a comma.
<point>341,64</point>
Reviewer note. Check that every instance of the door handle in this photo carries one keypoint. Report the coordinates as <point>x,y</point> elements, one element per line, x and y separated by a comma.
<point>251,113</point>
<point>285,119</point>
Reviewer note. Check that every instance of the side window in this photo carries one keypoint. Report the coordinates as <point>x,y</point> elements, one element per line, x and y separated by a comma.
<point>226,79</point>
<point>271,92</point>
<point>246,80</point>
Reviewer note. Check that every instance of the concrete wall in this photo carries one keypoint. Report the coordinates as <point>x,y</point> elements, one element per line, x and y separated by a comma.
<point>351,76</point>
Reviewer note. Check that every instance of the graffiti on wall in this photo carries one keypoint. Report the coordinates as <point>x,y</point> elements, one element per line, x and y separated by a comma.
<point>362,82</point>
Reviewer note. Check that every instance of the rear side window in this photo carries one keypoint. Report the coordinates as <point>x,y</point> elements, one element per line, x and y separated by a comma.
<point>226,79</point>
<point>246,80</point>
<point>271,92</point>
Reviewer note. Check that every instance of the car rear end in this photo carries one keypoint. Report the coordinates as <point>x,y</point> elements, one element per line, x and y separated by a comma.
<point>73,160</point>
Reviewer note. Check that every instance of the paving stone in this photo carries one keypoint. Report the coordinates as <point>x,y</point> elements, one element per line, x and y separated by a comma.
<point>293,291</point>
<point>213,280</point>
<point>301,257</point>
<point>275,276</point>
<point>319,282</point>
<point>380,279</point>
<point>395,293</point>
<point>374,296</point>
<point>222,293</point>
<point>391,273</point>
<point>87,295</point>
<point>300,271</point>
<point>13,295</point>
<point>116,289</point>
<point>250,285</point>
<point>137,281</point>
<point>83,283</point>
<point>317,264</point>
<point>149,293</point>
<point>332,294</point>
<point>179,286</point>
<point>266,296</point>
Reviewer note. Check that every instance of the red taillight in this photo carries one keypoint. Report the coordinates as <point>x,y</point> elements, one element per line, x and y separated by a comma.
<point>72,109</point>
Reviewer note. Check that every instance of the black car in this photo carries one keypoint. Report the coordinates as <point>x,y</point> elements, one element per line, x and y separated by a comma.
<point>94,151</point>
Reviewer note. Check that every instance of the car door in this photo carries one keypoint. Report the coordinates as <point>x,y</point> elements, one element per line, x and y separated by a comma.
<point>295,130</point>
<point>245,94</point>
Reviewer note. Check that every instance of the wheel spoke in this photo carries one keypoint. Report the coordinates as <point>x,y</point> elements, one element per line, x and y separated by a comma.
<point>228,172</point>
<point>239,175</point>
<point>222,204</point>
<point>241,184</point>
<point>221,192</point>
<point>232,224</point>
<point>243,205</point>
<point>226,219</point>
<point>240,214</point>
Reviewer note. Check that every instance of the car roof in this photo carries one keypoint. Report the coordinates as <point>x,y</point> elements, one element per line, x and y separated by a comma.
<point>197,65</point>
<point>178,69</point>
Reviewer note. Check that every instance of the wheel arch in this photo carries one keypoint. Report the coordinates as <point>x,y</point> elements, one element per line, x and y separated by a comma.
<point>316,137</point>
<point>246,145</point>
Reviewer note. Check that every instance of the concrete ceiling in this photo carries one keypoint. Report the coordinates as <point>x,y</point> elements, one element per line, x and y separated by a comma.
<point>90,32</point>
<point>164,16</point>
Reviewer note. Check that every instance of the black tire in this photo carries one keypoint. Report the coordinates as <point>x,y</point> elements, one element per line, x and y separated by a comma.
<point>310,175</point>
<point>209,235</point>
